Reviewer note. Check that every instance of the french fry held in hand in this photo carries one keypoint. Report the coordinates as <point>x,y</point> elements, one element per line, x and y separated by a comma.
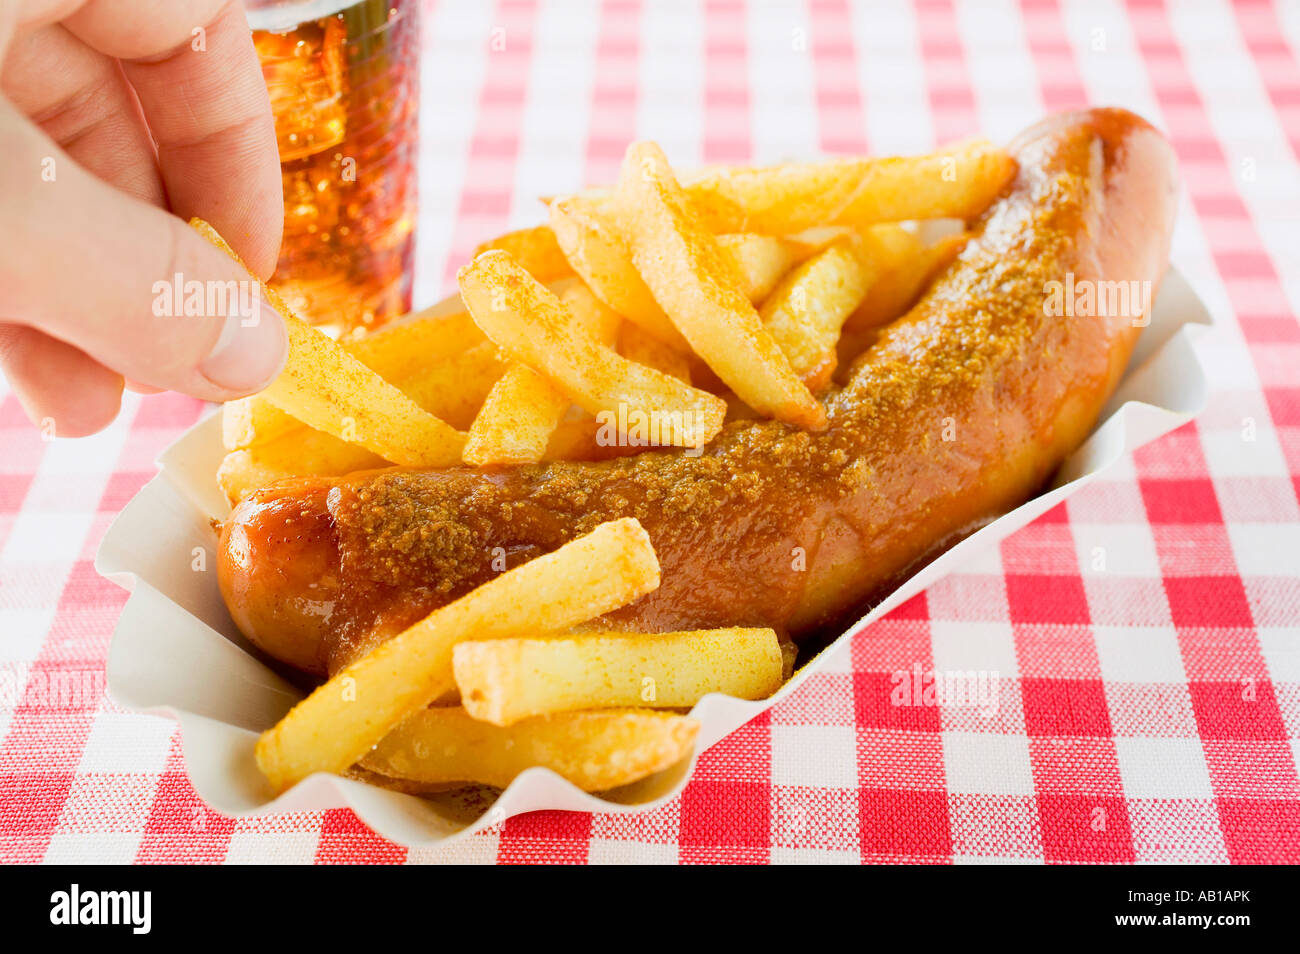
<point>342,719</point>
<point>528,322</point>
<point>396,352</point>
<point>452,389</point>
<point>807,310</point>
<point>503,681</point>
<point>327,388</point>
<point>596,751</point>
<point>698,288</point>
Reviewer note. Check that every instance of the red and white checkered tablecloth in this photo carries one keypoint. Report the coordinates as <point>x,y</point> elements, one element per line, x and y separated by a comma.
<point>1145,636</point>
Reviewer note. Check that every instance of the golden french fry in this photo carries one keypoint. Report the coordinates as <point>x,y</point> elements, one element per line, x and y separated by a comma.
<point>807,310</point>
<point>586,439</point>
<point>299,453</point>
<point>595,751</point>
<point>594,317</point>
<point>890,296</point>
<point>504,681</point>
<point>903,281</point>
<point>452,389</point>
<point>340,721</point>
<point>699,289</point>
<point>406,347</point>
<point>328,389</point>
<point>247,420</point>
<point>517,419</point>
<point>598,255</point>
<point>535,249</point>
<point>637,344</point>
<point>957,182</point>
<point>762,260</point>
<point>528,322</point>
<point>396,352</point>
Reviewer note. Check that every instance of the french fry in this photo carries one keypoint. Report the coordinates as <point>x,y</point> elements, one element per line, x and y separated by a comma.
<point>395,352</point>
<point>342,719</point>
<point>248,420</point>
<point>891,296</point>
<point>762,260</point>
<point>956,182</point>
<point>807,310</point>
<point>504,681</point>
<point>598,255</point>
<point>452,389</point>
<point>535,249</point>
<point>296,454</point>
<point>517,419</point>
<point>901,284</point>
<point>698,288</point>
<point>328,389</point>
<point>586,439</point>
<point>528,322</point>
<point>596,751</point>
<point>593,316</point>
<point>408,345</point>
<point>515,423</point>
<point>638,345</point>
<point>586,233</point>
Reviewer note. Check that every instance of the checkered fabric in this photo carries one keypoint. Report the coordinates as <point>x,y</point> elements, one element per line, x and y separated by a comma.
<point>1137,649</point>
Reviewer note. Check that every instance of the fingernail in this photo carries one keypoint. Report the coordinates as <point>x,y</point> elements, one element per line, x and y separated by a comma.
<point>250,352</point>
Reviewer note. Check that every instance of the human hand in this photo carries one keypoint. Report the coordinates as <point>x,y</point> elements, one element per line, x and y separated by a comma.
<point>118,116</point>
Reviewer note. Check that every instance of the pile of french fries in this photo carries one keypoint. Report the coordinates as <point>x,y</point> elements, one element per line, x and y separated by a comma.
<point>647,314</point>
<point>523,691</point>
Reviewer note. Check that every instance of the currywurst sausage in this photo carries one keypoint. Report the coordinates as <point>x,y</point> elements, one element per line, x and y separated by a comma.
<point>960,411</point>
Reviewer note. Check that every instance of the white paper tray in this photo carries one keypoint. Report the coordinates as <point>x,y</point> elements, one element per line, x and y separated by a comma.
<point>175,651</point>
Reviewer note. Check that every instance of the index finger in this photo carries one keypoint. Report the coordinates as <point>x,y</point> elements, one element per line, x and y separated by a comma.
<point>193,65</point>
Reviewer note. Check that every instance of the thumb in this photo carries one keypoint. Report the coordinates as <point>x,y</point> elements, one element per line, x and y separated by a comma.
<point>131,285</point>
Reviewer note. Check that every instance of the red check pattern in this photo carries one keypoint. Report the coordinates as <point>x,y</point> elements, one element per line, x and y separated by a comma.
<point>1139,646</point>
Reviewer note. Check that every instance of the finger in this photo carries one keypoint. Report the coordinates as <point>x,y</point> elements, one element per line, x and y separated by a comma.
<point>79,97</point>
<point>137,388</point>
<point>64,391</point>
<point>89,265</point>
<point>206,103</point>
